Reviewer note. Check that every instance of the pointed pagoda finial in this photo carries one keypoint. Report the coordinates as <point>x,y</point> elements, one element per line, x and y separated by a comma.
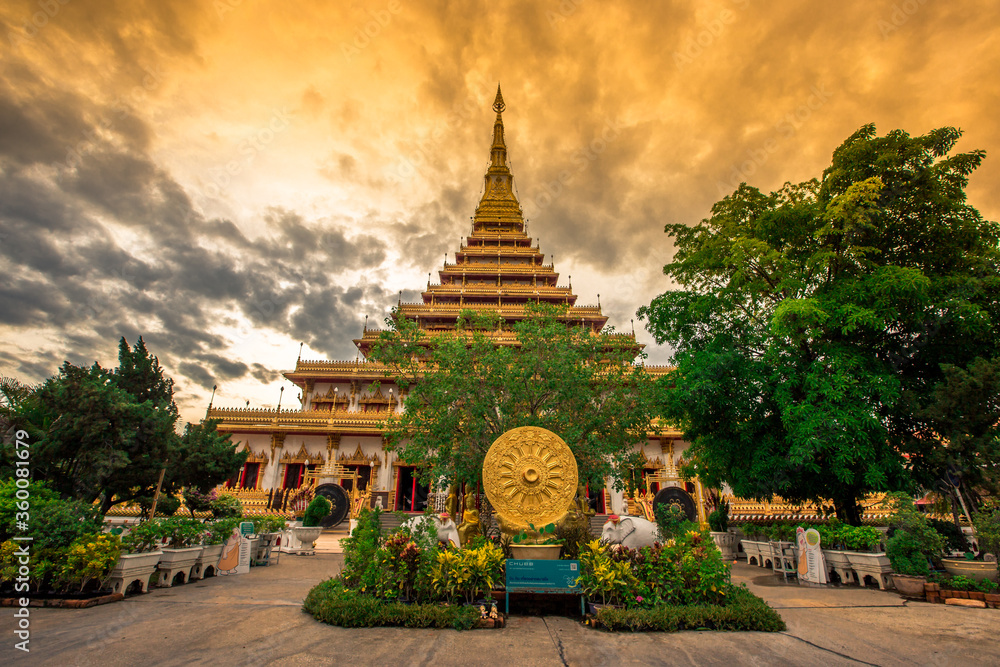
<point>399,300</point>
<point>365,329</point>
<point>498,104</point>
<point>633,327</point>
<point>598,300</point>
<point>300,351</point>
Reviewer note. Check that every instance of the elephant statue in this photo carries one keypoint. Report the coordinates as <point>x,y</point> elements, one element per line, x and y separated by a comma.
<point>447,531</point>
<point>630,531</point>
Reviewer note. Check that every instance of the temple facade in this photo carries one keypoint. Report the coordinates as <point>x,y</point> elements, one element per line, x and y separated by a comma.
<point>337,429</point>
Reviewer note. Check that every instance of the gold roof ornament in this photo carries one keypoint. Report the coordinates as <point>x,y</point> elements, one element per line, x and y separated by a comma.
<point>530,477</point>
<point>498,104</point>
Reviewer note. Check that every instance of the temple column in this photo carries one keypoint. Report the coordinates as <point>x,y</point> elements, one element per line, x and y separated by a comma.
<point>277,443</point>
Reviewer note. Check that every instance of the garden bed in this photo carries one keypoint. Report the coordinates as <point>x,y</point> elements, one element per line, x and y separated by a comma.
<point>76,601</point>
<point>743,611</point>
<point>331,603</point>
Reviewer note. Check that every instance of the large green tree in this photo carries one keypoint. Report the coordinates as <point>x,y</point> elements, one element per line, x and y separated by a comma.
<point>463,390</point>
<point>811,325</point>
<point>105,435</point>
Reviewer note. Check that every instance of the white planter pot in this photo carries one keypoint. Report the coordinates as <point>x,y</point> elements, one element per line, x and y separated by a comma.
<point>536,551</point>
<point>131,568</point>
<point>757,552</point>
<point>176,561</point>
<point>208,562</point>
<point>875,565</point>
<point>307,536</point>
<point>976,570</point>
<point>726,542</point>
<point>837,561</point>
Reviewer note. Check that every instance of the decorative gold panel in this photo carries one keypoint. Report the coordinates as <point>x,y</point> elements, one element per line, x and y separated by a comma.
<point>529,476</point>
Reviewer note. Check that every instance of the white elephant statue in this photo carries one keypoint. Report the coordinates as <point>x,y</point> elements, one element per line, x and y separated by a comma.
<point>630,531</point>
<point>447,531</point>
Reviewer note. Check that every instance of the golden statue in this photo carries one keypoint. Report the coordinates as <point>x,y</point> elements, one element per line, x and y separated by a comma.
<point>470,520</point>
<point>530,477</point>
<point>451,505</point>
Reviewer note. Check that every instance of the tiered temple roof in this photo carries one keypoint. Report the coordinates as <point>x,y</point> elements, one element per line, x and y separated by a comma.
<point>498,268</point>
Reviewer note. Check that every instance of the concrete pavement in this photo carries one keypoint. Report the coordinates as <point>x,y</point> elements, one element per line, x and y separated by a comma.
<point>256,619</point>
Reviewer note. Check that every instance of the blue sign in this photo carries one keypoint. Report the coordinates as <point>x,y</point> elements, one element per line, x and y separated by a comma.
<point>246,528</point>
<point>556,576</point>
<point>542,576</point>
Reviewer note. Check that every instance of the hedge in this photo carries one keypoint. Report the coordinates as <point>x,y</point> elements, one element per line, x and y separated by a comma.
<point>742,611</point>
<point>331,603</point>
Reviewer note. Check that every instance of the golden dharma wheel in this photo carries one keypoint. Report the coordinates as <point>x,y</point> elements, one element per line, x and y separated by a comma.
<point>530,476</point>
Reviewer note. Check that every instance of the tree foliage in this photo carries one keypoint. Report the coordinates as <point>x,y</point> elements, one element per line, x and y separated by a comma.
<point>813,324</point>
<point>99,434</point>
<point>463,390</point>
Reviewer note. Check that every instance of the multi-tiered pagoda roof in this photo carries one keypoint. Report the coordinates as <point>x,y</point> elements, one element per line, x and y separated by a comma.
<point>498,268</point>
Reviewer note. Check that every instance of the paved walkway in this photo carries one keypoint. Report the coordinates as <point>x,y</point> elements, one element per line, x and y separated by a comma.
<point>256,619</point>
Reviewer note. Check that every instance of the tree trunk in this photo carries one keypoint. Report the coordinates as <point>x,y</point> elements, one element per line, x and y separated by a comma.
<point>848,510</point>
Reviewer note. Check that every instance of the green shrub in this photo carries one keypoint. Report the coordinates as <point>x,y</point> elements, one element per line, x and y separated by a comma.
<point>574,538</point>
<point>362,545</point>
<point>987,525</point>
<point>954,538</point>
<point>718,520</point>
<point>912,541</point>
<point>671,521</point>
<point>143,537</point>
<point>90,558</point>
<point>225,506</point>
<point>317,510</point>
<point>221,530</point>
<point>859,538</point>
<point>743,611</point>
<point>268,523</point>
<point>331,603</point>
<point>180,532</point>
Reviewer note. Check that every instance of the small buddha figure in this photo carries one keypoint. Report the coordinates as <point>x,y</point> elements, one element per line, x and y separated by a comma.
<point>470,520</point>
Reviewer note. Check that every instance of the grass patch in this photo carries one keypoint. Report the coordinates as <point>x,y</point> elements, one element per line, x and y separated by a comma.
<point>331,603</point>
<point>742,611</point>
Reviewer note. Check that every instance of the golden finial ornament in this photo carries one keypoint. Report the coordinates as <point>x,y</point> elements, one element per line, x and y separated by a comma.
<point>498,104</point>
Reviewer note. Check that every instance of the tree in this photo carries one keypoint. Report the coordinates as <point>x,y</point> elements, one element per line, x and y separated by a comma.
<point>92,440</point>
<point>464,390</point>
<point>100,434</point>
<point>203,458</point>
<point>810,321</point>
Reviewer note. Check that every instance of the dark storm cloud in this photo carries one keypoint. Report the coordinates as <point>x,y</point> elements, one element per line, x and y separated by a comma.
<point>70,271</point>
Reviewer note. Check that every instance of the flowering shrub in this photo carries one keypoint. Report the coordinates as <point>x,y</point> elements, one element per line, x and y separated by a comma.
<point>198,501</point>
<point>686,570</point>
<point>142,537</point>
<point>225,506</point>
<point>90,558</point>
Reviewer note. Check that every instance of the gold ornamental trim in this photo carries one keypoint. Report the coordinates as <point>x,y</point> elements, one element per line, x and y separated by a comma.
<point>530,476</point>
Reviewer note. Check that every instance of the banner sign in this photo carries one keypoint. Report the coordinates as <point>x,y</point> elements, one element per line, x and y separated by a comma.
<point>543,576</point>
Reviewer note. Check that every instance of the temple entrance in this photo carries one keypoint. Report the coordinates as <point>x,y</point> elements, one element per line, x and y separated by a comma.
<point>248,478</point>
<point>411,495</point>
<point>364,473</point>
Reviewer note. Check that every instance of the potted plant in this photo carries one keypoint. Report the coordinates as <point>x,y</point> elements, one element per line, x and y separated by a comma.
<point>226,506</point>
<point>268,528</point>
<point>987,525</point>
<point>912,542</point>
<point>531,543</point>
<point>718,521</point>
<point>604,581</point>
<point>862,549</point>
<point>310,529</point>
<point>139,557</point>
<point>182,538</point>
<point>215,536</point>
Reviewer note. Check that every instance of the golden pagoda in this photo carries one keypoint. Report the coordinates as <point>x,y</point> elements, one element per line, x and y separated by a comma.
<point>497,267</point>
<point>336,434</point>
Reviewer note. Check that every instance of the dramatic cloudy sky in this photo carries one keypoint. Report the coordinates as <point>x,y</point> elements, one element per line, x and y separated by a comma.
<point>229,178</point>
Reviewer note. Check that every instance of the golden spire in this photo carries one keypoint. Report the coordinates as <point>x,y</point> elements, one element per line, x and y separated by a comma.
<point>499,206</point>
